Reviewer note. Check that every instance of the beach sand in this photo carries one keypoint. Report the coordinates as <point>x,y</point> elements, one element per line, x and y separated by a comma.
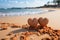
<point>53,16</point>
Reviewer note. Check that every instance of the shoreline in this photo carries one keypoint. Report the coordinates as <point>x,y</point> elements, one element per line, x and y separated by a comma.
<point>54,21</point>
<point>52,16</point>
<point>25,13</point>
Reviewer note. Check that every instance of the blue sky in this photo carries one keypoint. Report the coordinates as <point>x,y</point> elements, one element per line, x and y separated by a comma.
<point>22,3</point>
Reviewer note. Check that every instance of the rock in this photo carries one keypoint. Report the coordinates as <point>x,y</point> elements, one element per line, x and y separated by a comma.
<point>4,26</point>
<point>33,23</point>
<point>43,21</point>
<point>15,26</point>
<point>22,37</point>
<point>10,34</point>
<point>14,38</point>
<point>25,26</point>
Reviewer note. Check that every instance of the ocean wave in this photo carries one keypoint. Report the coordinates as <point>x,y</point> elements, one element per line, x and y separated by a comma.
<point>20,12</point>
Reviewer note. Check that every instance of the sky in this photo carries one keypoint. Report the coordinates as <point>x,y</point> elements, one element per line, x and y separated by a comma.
<point>22,3</point>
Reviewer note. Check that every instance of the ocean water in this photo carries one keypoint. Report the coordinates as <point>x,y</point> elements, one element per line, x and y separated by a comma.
<point>20,11</point>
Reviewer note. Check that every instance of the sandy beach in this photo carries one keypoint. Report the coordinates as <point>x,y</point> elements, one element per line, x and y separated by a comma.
<point>53,16</point>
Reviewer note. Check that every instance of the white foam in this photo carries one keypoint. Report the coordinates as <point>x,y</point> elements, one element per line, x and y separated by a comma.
<point>21,13</point>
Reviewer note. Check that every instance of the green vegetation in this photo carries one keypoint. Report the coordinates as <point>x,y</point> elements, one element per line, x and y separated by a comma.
<point>57,1</point>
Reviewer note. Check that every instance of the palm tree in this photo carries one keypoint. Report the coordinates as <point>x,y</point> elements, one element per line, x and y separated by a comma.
<point>48,3</point>
<point>57,1</point>
<point>54,1</point>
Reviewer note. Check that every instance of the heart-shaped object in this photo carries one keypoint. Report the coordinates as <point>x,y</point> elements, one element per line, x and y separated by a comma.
<point>43,21</point>
<point>33,22</point>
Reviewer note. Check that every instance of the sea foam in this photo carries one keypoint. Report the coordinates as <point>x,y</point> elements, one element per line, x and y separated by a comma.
<point>20,12</point>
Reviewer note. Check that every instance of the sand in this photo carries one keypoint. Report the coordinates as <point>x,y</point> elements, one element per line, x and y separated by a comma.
<point>53,16</point>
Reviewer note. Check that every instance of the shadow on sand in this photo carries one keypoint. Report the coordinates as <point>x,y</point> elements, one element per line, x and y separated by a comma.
<point>22,30</point>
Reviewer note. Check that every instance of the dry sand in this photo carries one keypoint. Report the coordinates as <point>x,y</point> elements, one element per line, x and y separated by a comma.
<point>53,16</point>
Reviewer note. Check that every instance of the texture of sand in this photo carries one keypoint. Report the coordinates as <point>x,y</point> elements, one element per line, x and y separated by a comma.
<point>53,16</point>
